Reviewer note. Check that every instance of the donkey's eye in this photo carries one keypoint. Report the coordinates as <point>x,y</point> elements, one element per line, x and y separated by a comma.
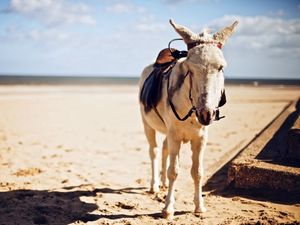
<point>220,68</point>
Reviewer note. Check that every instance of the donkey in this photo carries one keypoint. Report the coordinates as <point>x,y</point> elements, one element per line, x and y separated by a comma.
<point>195,85</point>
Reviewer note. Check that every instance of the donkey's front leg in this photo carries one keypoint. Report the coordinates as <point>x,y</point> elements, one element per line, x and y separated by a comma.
<point>173,146</point>
<point>198,145</point>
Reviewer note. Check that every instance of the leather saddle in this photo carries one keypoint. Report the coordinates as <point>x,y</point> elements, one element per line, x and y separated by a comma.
<point>151,91</point>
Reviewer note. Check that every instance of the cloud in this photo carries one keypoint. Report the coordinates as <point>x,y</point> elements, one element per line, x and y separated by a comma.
<point>149,24</point>
<point>121,8</point>
<point>43,36</point>
<point>274,35</point>
<point>53,12</point>
<point>176,1</point>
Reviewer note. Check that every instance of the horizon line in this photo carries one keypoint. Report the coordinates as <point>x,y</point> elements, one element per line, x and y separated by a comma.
<point>7,75</point>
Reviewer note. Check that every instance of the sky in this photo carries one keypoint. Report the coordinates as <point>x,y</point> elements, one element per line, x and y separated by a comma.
<point>119,38</point>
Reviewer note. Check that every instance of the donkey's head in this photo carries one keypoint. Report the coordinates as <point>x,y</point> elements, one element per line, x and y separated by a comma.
<point>205,61</point>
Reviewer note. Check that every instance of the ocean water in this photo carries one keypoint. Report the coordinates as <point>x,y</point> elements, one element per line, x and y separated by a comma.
<point>88,80</point>
<point>66,80</point>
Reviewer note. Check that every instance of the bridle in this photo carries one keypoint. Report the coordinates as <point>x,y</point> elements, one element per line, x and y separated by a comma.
<point>180,54</point>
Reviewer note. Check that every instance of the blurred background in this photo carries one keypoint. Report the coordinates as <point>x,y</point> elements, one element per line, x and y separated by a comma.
<point>118,38</point>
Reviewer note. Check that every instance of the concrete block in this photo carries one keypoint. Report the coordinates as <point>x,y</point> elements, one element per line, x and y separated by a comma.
<point>259,166</point>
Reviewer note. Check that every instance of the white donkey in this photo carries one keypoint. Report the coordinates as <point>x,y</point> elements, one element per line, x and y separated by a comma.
<point>193,88</point>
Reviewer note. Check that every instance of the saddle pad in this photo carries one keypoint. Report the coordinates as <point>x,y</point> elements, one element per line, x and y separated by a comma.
<point>151,90</point>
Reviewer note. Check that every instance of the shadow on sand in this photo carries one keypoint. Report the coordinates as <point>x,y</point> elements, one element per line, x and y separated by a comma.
<point>128,190</point>
<point>60,207</point>
<point>45,207</point>
<point>276,151</point>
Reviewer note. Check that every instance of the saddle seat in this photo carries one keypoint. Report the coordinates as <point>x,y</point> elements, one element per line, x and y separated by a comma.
<point>165,56</point>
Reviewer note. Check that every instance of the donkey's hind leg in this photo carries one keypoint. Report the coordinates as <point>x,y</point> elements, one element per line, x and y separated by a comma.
<point>153,152</point>
<point>164,164</point>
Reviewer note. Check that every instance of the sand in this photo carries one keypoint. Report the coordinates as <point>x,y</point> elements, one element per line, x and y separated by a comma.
<point>78,155</point>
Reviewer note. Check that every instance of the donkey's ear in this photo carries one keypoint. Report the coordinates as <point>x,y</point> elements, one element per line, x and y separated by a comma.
<point>187,35</point>
<point>225,33</point>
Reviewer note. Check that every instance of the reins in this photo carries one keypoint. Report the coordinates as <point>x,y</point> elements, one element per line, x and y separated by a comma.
<point>180,54</point>
<point>177,54</point>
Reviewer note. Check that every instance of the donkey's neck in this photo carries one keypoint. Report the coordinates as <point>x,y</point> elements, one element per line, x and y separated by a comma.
<point>180,88</point>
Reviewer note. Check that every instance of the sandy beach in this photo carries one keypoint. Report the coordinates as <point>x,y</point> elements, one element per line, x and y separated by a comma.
<point>78,155</point>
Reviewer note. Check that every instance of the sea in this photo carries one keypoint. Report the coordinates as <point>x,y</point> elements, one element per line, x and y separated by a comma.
<point>112,80</point>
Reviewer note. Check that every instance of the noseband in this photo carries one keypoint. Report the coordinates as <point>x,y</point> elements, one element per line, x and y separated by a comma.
<point>180,54</point>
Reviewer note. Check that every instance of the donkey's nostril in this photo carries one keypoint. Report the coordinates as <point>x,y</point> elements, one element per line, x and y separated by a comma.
<point>205,117</point>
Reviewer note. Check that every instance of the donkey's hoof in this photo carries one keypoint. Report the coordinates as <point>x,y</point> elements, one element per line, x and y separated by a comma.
<point>164,187</point>
<point>200,210</point>
<point>154,190</point>
<point>167,215</point>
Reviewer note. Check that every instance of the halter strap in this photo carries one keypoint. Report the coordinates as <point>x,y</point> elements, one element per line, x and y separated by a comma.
<point>192,110</point>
